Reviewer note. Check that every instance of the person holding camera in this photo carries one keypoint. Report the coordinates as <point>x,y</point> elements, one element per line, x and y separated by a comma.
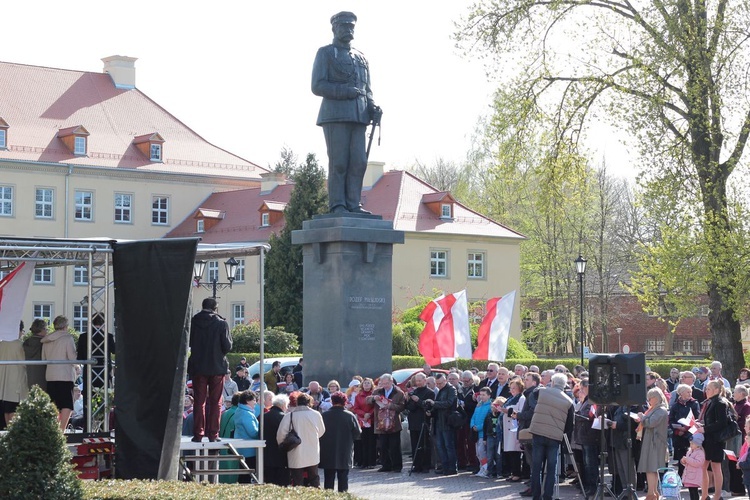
<point>419,423</point>
<point>445,436</point>
<point>389,402</point>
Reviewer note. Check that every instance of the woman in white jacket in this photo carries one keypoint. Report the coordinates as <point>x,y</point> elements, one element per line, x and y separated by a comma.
<point>309,425</point>
<point>60,345</point>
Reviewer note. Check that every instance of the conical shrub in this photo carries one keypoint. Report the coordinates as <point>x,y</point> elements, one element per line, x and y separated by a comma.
<point>34,460</point>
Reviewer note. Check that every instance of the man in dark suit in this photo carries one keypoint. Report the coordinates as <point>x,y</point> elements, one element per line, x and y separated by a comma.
<point>274,463</point>
<point>496,380</point>
<point>341,76</point>
<point>419,423</point>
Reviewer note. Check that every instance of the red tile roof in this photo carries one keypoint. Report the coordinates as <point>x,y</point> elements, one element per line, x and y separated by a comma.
<point>37,102</point>
<point>396,196</point>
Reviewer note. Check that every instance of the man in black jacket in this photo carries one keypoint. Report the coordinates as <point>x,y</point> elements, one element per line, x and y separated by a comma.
<point>445,437</point>
<point>275,462</point>
<point>419,423</point>
<point>210,341</point>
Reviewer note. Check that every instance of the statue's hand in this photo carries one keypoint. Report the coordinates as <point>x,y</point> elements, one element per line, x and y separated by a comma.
<point>376,113</point>
<point>352,92</point>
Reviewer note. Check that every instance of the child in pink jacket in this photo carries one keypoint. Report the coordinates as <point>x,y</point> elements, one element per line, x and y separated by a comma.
<point>692,476</point>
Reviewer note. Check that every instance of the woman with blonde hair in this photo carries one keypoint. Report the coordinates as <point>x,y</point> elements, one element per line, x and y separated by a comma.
<point>59,345</point>
<point>653,425</point>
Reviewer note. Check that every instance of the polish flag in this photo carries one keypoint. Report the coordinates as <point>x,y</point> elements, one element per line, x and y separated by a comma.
<point>492,341</point>
<point>13,290</point>
<point>446,335</point>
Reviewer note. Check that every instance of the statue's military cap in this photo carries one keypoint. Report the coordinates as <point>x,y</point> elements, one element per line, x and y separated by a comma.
<point>343,17</point>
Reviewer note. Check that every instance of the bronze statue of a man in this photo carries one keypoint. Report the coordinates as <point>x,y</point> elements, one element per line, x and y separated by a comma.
<point>341,76</point>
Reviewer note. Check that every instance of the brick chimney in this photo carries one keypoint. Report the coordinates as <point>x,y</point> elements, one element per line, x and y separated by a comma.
<point>269,181</point>
<point>373,173</point>
<point>122,70</point>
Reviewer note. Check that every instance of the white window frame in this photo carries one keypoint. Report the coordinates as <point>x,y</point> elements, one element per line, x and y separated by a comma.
<point>39,311</point>
<point>155,152</point>
<point>651,345</point>
<point>238,313</point>
<point>472,263</point>
<point>239,276</point>
<point>80,317</point>
<point>159,210</point>
<point>213,271</point>
<point>687,345</point>
<point>79,145</point>
<point>265,219</point>
<point>446,211</point>
<point>123,212</point>
<point>705,345</point>
<point>3,138</point>
<point>80,275</point>
<point>200,226</point>
<point>438,257</point>
<point>84,208</point>
<point>6,201</point>
<point>44,208</point>
<point>44,276</point>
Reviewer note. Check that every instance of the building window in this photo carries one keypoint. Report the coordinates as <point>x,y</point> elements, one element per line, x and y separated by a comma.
<point>445,211</point>
<point>660,346</point>
<point>265,219</point>
<point>238,314</point>
<point>80,275</point>
<point>79,145</point>
<point>6,200</point>
<point>650,346</point>
<point>44,203</point>
<point>705,345</point>
<point>239,276</point>
<point>80,318</point>
<point>213,271</point>
<point>200,226</point>
<point>155,152</point>
<point>84,205</point>
<point>3,138</point>
<point>687,345</point>
<point>439,263</point>
<point>703,310</point>
<point>43,311</point>
<point>123,208</point>
<point>43,275</point>
<point>476,265</point>
<point>160,210</point>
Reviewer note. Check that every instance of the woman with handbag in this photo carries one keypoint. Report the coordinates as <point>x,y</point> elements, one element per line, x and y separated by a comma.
<point>309,426</point>
<point>711,425</point>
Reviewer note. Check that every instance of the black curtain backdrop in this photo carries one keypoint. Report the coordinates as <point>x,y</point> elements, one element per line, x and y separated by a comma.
<point>152,293</point>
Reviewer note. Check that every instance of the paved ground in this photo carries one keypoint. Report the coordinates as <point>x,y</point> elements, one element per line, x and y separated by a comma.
<point>375,485</point>
<point>385,485</point>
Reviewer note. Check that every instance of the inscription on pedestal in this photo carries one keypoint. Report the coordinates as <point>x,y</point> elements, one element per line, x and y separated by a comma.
<point>367,331</point>
<point>358,302</point>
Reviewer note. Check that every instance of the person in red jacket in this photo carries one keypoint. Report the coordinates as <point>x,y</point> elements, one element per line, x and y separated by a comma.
<point>364,412</point>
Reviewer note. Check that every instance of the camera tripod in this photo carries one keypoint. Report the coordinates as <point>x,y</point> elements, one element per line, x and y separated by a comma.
<point>602,487</point>
<point>420,444</point>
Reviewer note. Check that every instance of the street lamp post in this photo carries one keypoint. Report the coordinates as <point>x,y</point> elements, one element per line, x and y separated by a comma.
<point>619,343</point>
<point>581,270</point>
<point>230,266</point>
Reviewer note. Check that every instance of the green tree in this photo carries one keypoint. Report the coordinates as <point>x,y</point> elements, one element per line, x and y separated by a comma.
<point>287,164</point>
<point>34,459</point>
<point>675,74</point>
<point>283,304</point>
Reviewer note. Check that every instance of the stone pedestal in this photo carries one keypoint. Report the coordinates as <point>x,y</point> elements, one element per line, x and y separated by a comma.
<point>347,296</point>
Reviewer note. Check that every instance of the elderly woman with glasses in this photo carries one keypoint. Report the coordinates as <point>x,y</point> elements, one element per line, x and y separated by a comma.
<point>682,408</point>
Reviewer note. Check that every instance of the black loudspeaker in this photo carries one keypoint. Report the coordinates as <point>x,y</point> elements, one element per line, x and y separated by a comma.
<point>618,379</point>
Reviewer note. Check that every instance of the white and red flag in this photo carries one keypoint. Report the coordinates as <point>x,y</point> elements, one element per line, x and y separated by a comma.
<point>13,290</point>
<point>492,341</point>
<point>446,335</point>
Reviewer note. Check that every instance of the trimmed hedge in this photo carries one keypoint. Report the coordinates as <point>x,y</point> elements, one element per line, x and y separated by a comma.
<point>661,366</point>
<point>179,490</point>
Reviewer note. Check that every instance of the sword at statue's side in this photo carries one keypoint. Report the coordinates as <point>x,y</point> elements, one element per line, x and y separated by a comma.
<point>377,114</point>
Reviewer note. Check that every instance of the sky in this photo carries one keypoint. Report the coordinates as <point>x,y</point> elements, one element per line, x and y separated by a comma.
<point>238,72</point>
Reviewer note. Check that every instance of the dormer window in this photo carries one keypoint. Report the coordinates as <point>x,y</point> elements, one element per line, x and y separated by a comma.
<point>155,152</point>
<point>207,218</point>
<point>441,204</point>
<point>3,134</point>
<point>200,226</point>
<point>151,145</point>
<point>271,212</point>
<point>75,139</point>
<point>265,217</point>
